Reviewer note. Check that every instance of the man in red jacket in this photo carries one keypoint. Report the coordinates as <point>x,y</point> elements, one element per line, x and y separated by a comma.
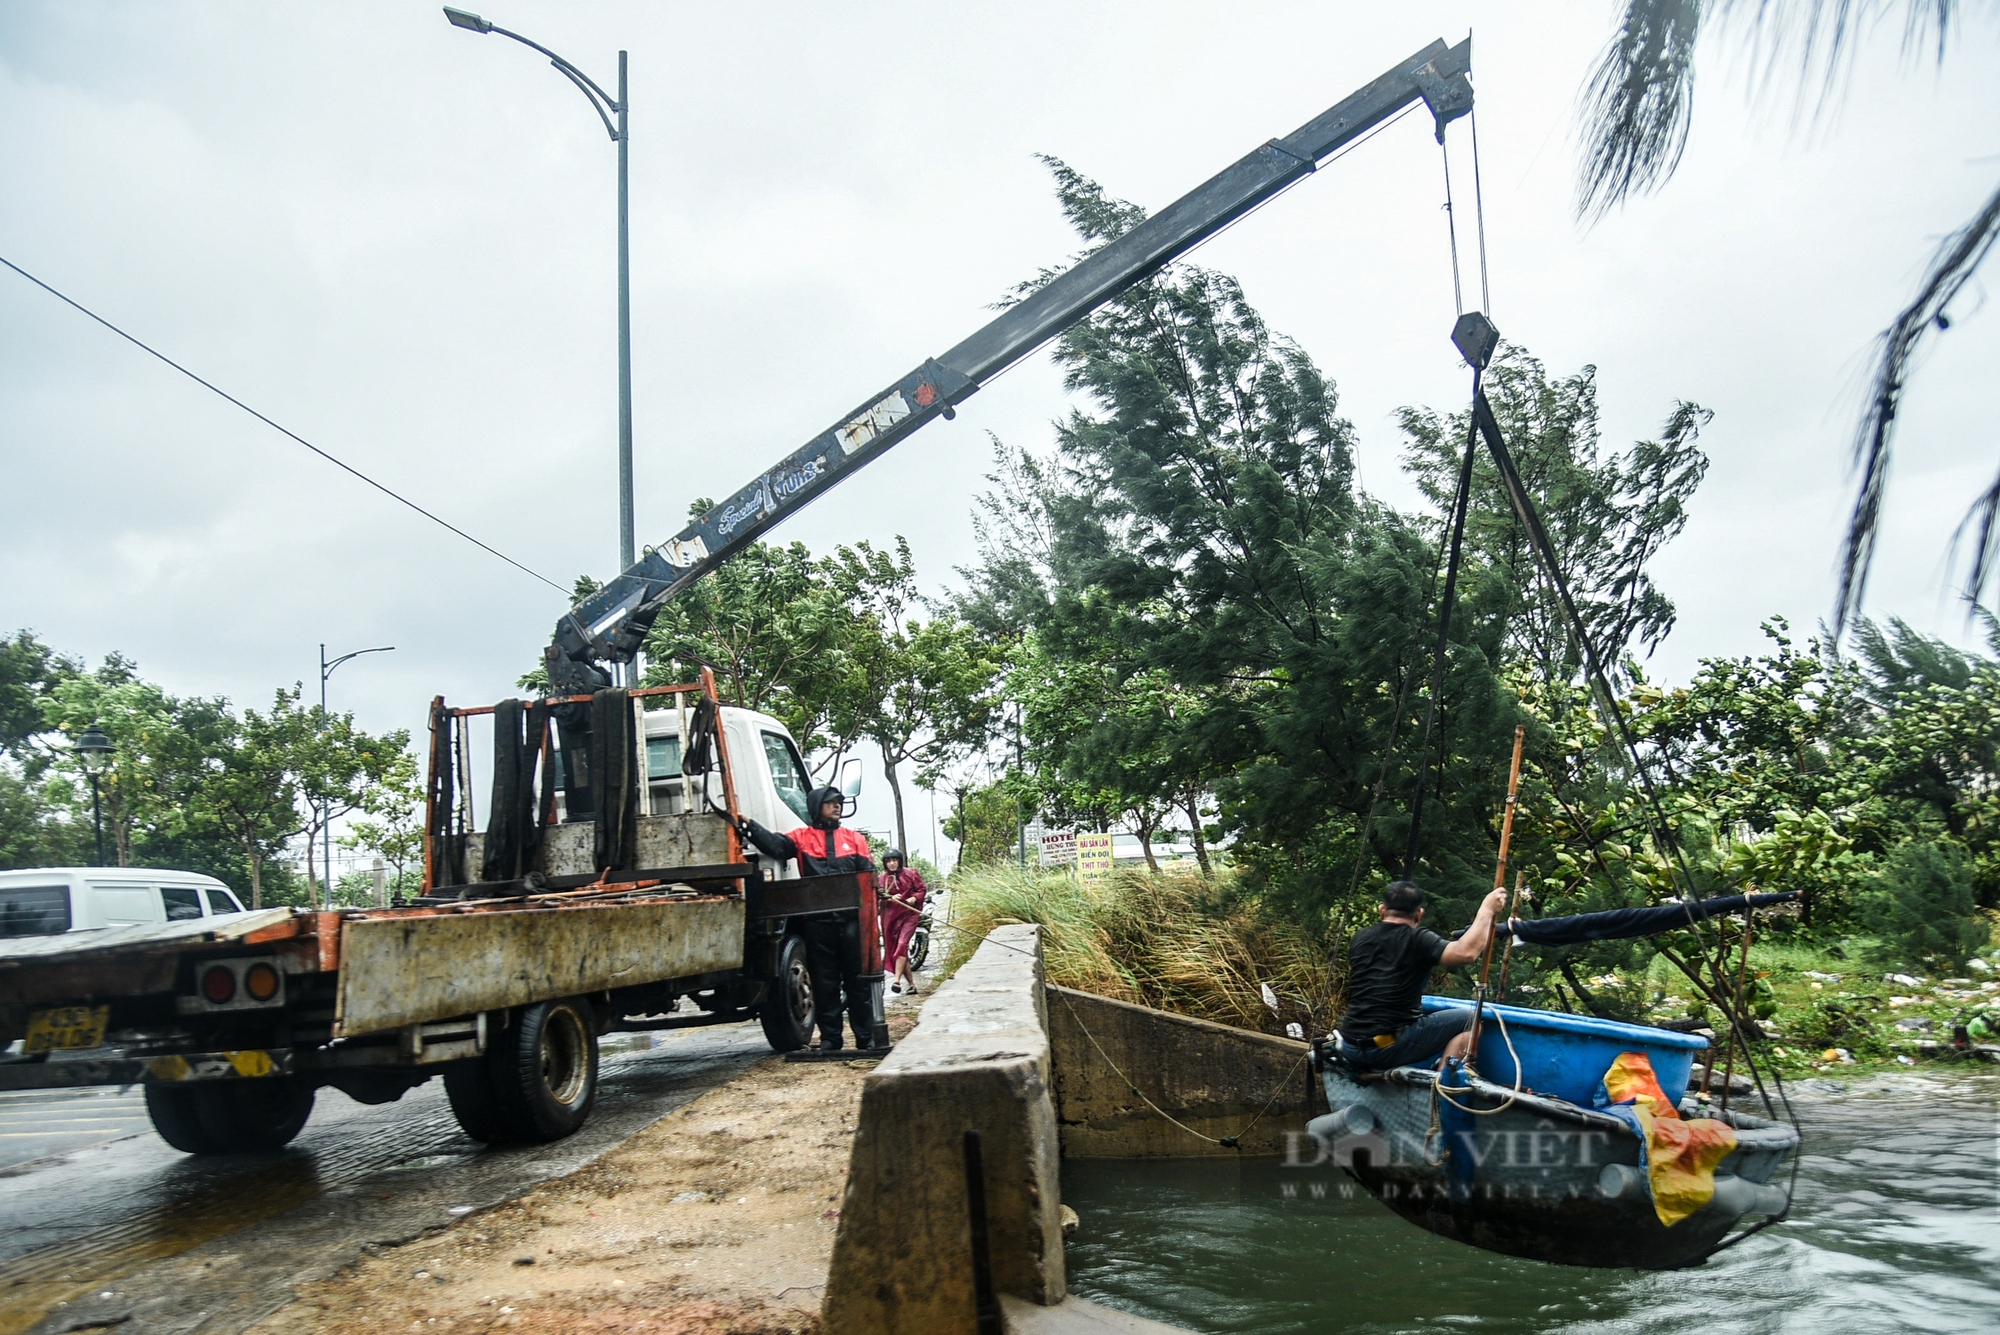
<point>833,944</point>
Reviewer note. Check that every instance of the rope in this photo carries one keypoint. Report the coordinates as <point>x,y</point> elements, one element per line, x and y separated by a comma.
<point>1451,229</point>
<point>1228,1142</point>
<point>1437,1086</point>
<point>1479,214</point>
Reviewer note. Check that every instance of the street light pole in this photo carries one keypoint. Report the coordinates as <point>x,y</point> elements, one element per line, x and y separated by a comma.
<point>627,550</point>
<point>602,103</point>
<point>93,751</point>
<point>325,807</point>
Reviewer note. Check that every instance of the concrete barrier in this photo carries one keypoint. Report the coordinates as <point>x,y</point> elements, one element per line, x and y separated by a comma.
<point>1212,1077</point>
<point>978,1060</point>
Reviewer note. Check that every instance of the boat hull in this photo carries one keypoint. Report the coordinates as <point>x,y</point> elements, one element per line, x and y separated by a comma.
<point>1528,1177</point>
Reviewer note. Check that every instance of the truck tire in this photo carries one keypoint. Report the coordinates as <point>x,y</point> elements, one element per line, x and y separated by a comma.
<point>543,1071</point>
<point>172,1110</point>
<point>230,1117</point>
<point>244,1115</point>
<point>787,1012</point>
<point>469,1087</point>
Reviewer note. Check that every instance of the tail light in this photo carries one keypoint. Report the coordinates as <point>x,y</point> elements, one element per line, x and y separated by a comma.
<point>261,982</point>
<point>233,985</point>
<point>218,985</point>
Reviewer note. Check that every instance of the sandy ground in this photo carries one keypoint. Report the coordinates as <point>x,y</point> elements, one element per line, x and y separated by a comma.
<point>718,1218</point>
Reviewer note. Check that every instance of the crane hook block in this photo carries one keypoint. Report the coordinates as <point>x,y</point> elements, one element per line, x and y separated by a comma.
<point>1475,337</point>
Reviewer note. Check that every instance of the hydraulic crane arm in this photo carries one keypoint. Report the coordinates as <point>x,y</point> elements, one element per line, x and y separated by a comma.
<point>611,624</point>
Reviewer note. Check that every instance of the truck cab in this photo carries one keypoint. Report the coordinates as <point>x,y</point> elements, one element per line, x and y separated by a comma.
<point>771,776</point>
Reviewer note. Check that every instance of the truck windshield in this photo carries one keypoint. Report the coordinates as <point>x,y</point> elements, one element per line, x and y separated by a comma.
<point>787,775</point>
<point>34,910</point>
<point>663,758</point>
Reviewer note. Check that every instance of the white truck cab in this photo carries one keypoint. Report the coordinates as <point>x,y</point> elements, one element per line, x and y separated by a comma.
<point>770,775</point>
<point>45,901</point>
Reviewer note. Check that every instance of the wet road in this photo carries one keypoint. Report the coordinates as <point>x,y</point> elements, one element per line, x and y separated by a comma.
<point>114,1225</point>
<point>36,1123</point>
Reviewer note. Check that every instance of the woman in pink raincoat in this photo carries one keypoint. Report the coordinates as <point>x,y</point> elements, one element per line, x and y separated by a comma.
<point>900,892</point>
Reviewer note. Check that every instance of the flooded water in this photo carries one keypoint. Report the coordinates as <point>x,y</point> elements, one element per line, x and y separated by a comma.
<point>1896,1227</point>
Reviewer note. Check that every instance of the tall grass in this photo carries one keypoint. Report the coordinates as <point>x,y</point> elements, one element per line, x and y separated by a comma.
<point>1172,941</point>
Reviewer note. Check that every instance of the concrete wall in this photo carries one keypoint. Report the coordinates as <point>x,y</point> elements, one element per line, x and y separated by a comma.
<point>1210,1076</point>
<point>978,1059</point>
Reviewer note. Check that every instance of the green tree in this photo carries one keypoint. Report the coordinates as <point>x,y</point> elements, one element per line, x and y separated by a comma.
<point>391,825</point>
<point>339,770</point>
<point>789,634</point>
<point>29,673</point>
<point>930,697</point>
<point>1204,526</point>
<point>253,798</point>
<point>1607,515</point>
<point>985,824</point>
<point>1923,908</point>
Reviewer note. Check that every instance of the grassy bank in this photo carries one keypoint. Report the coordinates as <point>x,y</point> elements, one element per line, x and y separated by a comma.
<point>1172,941</point>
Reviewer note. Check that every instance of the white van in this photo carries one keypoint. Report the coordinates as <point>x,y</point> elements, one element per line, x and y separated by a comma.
<point>44,901</point>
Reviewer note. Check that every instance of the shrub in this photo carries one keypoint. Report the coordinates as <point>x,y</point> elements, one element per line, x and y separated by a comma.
<point>1923,907</point>
<point>1837,1023</point>
<point>1173,941</point>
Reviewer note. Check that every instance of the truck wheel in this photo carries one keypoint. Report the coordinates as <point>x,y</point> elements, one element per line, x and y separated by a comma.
<point>543,1071</point>
<point>262,1114</point>
<point>230,1117</point>
<point>172,1110</point>
<point>469,1086</point>
<point>787,1012</point>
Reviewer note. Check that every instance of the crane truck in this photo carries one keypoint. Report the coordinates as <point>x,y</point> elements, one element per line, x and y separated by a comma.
<point>607,887</point>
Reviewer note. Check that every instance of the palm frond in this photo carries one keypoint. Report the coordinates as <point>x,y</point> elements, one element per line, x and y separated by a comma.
<point>1815,40</point>
<point>1639,104</point>
<point>1957,258</point>
<point>1983,520</point>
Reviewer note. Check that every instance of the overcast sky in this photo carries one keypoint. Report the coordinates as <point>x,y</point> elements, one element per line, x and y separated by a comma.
<point>398,239</point>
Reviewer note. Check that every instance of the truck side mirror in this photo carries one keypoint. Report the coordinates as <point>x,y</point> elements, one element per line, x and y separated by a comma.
<point>850,780</point>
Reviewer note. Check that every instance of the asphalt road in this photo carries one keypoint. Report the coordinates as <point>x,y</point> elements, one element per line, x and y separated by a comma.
<point>101,1223</point>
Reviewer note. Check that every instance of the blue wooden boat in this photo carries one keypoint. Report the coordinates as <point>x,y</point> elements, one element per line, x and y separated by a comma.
<point>1520,1161</point>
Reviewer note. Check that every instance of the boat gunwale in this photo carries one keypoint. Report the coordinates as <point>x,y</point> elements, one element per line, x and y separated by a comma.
<point>1753,1134</point>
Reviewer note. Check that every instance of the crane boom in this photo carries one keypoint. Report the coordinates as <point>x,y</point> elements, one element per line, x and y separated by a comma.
<point>611,624</point>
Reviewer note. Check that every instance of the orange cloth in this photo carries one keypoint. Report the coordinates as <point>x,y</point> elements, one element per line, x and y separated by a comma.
<point>1681,1155</point>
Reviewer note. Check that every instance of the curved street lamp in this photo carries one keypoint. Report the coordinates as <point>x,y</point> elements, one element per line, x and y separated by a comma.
<point>93,752</point>
<point>606,106</point>
<point>326,667</point>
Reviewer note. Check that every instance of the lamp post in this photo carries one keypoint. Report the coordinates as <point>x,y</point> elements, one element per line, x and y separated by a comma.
<point>326,668</point>
<point>605,106</point>
<point>93,752</point>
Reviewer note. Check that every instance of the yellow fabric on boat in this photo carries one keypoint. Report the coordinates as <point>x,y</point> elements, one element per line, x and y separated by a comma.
<point>1681,1154</point>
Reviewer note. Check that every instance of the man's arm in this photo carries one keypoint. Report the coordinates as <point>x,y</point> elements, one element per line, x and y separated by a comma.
<point>1473,944</point>
<point>770,845</point>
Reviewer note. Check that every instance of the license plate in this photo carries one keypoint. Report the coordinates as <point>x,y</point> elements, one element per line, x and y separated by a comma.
<point>67,1027</point>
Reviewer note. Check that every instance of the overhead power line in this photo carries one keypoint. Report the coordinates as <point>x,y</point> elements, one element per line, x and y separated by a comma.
<point>338,463</point>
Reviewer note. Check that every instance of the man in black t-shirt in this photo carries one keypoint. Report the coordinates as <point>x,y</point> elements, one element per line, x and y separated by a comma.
<point>1385,1024</point>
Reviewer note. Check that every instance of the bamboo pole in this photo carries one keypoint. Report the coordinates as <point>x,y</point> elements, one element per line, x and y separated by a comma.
<point>1499,883</point>
<point>1507,951</point>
